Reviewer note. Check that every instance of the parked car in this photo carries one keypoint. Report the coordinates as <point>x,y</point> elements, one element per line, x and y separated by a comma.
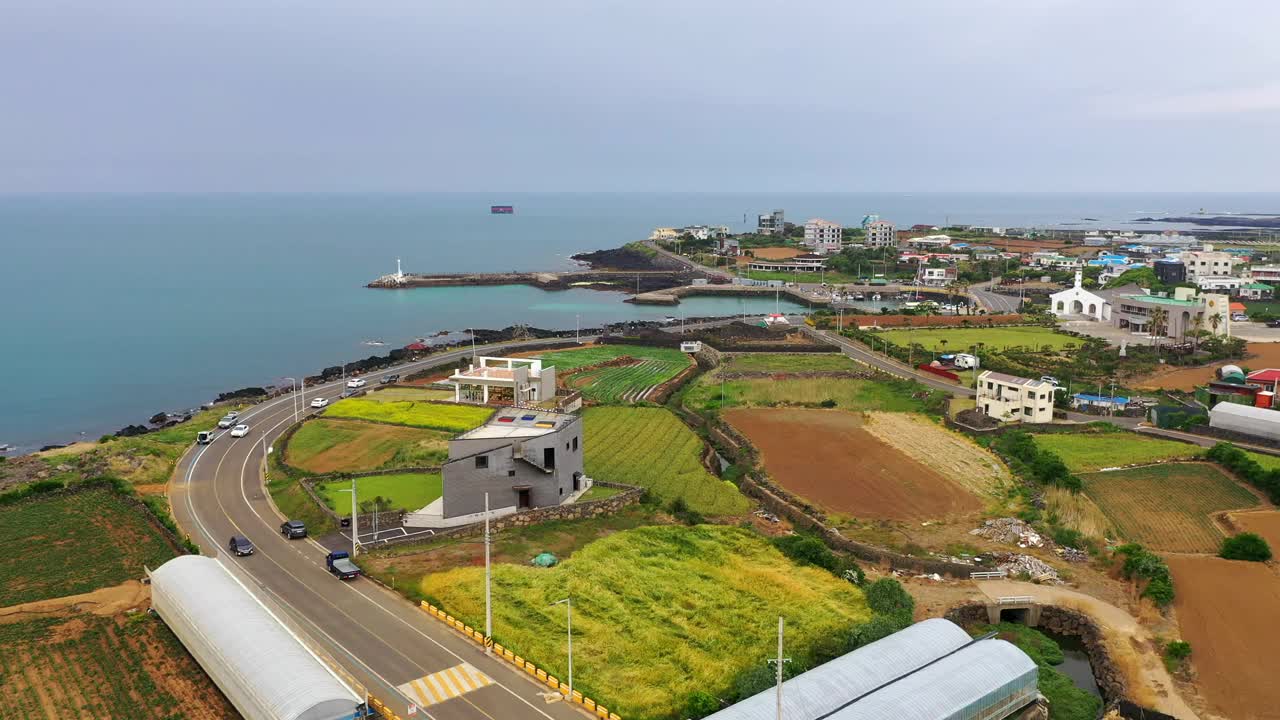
<point>1050,379</point>
<point>357,383</point>
<point>1239,317</point>
<point>204,437</point>
<point>240,431</point>
<point>388,379</point>
<point>319,402</point>
<point>1273,323</point>
<point>293,529</point>
<point>228,420</point>
<point>240,546</point>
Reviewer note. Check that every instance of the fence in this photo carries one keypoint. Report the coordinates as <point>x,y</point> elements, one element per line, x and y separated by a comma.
<point>938,371</point>
<point>988,575</point>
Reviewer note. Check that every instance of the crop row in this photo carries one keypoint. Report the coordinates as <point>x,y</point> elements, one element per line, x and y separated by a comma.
<point>433,416</point>
<point>629,382</point>
<point>650,447</point>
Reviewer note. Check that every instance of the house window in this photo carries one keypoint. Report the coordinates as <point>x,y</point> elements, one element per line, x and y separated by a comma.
<point>575,444</point>
<point>1027,411</point>
<point>482,462</point>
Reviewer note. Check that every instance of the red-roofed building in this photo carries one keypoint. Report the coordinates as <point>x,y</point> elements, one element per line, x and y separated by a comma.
<point>415,347</point>
<point>1266,378</point>
<point>1237,307</point>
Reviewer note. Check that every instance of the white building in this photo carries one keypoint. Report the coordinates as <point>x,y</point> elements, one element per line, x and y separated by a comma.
<point>880,233</point>
<point>938,277</point>
<point>938,241</point>
<point>1265,273</point>
<point>771,223</point>
<point>1208,262</point>
<point>799,263</point>
<point>521,381</point>
<point>1009,398</point>
<point>1078,301</point>
<point>822,236</point>
<point>1220,282</point>
<point>1246,419</point>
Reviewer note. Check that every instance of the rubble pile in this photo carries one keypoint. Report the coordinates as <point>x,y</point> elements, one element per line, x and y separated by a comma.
<point>1011,531</point>
<point>1016,565</point>
<point>1071,554</point>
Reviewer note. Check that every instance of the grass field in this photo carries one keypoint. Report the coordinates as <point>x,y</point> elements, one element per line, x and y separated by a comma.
<point>651,448</point>
<point>84,666</point>
<point>402,491</point>
<point>1268,462</point>
<point>658,612</point>
<point>786,362</point>
<point>1086,452</point>
<point>626,383</point>
<point>72,543</point>
<point>849,394</point>
<point>995,338</point>
<point>1167,507</point>
<point>325,446</point>
<point>404,394</point>
<point>432,416</point>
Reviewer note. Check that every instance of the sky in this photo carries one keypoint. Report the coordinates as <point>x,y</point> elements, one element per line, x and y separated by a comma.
<point>685,95</point>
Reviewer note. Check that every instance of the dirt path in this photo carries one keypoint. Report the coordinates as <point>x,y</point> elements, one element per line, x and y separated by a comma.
<point>106,602</point>
<point>1119,626</point>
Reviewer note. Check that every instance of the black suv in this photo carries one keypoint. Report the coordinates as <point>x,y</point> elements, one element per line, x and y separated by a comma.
<point>240,545</point>
<point>293,529</point>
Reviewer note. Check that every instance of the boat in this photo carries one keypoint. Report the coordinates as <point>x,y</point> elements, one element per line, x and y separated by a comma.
<point>5,448</point>
<point>502,209</point>
<point>875,296</point>
<point>374,343</point>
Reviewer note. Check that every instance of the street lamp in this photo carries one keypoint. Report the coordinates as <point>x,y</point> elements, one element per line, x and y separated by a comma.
<point>355,523</point>
<point>488,595</point>
<point>293,385</point>
<point>568,603</point>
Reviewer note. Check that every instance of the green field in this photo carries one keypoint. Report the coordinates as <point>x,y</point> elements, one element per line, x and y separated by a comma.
<point>1168,507</point>
<point>566,360</point>
<point>994,338</point>
<point>400,491</point>
<point>828,277</point>
<point>851,394</point>
<point>325,446</point>
<point>787,362</point>
<point>1086,452</point>
<point>433,416</point>
<point>1268,462</point>
<point>401,394</point>
<point>658,612</point>
<point>627,383</point>
<point>85,666</point>
<point>651,448</point>
<point>71,543</point>
<point>599,492</point>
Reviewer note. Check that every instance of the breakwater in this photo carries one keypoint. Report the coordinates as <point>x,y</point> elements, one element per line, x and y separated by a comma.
<point>636,281</point>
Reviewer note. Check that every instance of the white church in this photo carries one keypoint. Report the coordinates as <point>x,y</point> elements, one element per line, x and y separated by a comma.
<point>1076,302</point>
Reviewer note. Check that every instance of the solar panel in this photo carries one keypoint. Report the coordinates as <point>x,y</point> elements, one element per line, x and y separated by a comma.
<point>528,417</point>
<point>509,418</point>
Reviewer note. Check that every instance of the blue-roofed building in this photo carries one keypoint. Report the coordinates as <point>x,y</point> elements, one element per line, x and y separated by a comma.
<point>1099,402</point>
<point>932,670</point>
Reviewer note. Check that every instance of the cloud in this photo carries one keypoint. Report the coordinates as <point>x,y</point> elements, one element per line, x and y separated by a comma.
<point>1228,101</point>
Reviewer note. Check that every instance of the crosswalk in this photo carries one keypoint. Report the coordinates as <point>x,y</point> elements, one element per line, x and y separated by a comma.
<point>445,685</point>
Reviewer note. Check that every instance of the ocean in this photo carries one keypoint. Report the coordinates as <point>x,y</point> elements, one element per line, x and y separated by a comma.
<point>115,307</point>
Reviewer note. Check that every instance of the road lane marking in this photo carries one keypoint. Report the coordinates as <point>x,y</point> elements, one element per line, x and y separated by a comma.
<point>445,685</point>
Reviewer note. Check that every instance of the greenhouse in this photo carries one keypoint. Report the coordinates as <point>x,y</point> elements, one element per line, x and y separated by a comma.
<point>259,664</point>
<point>932,670</point>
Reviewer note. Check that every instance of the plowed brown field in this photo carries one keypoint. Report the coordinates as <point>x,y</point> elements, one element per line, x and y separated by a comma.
<point>949,453</point>
<point>1266,523</point>
<point>1260,355</point>
<point>1226,610</point>
<point>829,458</point>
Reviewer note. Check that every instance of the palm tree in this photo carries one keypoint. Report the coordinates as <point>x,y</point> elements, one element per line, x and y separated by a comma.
<point>1214,321</point>
<point>1198,324</point>
<point>1159,316</point>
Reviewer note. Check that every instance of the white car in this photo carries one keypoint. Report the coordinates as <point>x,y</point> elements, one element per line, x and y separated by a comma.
<point>240,431</point>
<point>357,383</point>
<point>228,420</point>
<point>319,402</point>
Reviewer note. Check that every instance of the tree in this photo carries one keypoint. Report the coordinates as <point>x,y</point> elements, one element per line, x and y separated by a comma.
<point>700,704</point>
<point>1215,320</point>
<point>1246,546</point>
<point>887,597</point>
<point>1159,317</point>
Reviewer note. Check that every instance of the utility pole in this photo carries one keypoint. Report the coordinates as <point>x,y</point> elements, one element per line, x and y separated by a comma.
<point>355,521</point>
<point>779,661</point>
<point>568,602</point>
<point>577,331</point>
<point>488,596</point>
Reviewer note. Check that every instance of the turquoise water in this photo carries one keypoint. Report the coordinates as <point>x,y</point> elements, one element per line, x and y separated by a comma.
<point>114,308</point>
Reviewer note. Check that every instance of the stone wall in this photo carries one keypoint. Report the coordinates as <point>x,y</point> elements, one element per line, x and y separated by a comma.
<point>708,357</point>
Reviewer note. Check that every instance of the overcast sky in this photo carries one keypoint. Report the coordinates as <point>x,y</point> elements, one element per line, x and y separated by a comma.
<point>710,95</point>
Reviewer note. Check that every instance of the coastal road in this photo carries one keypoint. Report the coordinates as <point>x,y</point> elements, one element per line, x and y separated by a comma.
<point>995,303</point>
<point>377,637</point>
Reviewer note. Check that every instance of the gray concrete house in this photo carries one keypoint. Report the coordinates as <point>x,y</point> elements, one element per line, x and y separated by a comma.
<point>522,458</point>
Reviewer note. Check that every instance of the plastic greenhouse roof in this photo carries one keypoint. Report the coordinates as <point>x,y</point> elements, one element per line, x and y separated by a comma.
<point>250,649</point>
<point>826,687</point>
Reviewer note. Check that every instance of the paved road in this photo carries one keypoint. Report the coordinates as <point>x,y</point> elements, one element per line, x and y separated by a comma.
<point>376,635</point>
<point>995,303</point>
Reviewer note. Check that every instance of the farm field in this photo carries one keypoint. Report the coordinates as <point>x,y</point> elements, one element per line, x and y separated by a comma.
<point>1233,642</point>
<point>853,394</point>
<point>1268,462</point>
<point>1087,452</point>
<point>566,360</point>
<point>451,418</point>
<point>81,666</point>
<point>1167,507</point>
<point>624,383</point>
<point>72,543</point>
<point>699,605</point>
<point>651,448</point>
<point>829,458</point>
<point>325,446</point>
<point>405,394</point>
<point>1257,355</point>
<point>1263,522</point>
<point>403,491</point>
<point>949,453</point>
<point>993,338</point>
<point>786,362</point>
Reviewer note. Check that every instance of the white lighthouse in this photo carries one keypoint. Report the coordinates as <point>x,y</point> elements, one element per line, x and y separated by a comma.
<point>399,273</point>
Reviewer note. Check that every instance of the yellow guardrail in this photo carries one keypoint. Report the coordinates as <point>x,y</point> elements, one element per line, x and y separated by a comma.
<point>511,658</point>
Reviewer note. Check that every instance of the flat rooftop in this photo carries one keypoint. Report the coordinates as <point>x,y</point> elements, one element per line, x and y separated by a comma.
<point>487,372</point>
<point>517,423</point>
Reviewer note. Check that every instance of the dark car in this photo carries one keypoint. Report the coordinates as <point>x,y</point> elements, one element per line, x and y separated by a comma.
<point>293,529</point>
<point>240,545</point>
<point>387,380</point>
<point>1273,323</point>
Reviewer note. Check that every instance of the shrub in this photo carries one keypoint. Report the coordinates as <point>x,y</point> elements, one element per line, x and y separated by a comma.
<point>887,597</point>
<point>1177,650</point>
<point>828,403</point>
<point>680,510</point>
<point>700,704</point>
<point>1144,564</point>
<point>808,550</point>
<point>1246,546</point>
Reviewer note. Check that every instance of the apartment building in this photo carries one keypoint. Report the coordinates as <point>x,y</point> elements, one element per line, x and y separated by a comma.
<point>822,236</point>
<point>1010,398</point>
<point>880,233</point>
<point>1208,262</point>
<point>771,223</point>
